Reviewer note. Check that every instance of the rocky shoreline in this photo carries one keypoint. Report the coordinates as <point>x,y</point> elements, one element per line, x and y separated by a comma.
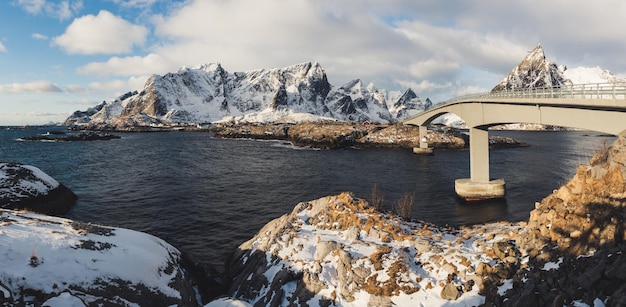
<point>333,135</point>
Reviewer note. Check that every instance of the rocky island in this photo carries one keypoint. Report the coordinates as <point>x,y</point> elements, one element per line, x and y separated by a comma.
<point>333,135</point>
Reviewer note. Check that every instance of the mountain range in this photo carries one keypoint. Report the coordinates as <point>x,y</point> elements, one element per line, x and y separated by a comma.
<point>208,93</point>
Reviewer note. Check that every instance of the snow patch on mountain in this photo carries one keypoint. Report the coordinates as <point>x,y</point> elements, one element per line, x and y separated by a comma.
<point>586,75</point>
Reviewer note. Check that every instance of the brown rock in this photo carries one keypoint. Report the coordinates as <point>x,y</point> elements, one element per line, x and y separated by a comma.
<point>450,292</point>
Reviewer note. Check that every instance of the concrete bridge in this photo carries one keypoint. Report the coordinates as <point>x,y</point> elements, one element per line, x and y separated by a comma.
<point>595,107</point>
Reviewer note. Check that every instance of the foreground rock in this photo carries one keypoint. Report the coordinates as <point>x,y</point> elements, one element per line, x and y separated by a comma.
<point>331,135</point>
<point>337,250</point>
<point>27,187</point>
<point>58,262</point>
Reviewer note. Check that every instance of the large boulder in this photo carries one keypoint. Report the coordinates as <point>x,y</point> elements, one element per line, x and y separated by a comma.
<point>340,251</point>
<point>50,261</point>
<point>27,187</point>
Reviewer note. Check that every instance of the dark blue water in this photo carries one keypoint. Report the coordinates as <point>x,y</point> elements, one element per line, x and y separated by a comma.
<point>206,196</point>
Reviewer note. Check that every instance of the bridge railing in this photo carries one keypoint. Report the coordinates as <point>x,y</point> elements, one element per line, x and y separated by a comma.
<point>575,91</point>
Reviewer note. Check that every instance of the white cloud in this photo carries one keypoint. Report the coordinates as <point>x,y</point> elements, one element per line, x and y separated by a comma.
<point>436,48</point>
<point>75,88</point>
<point>120,86</point>
<point>128,66</point>
<point>3,48</point>
<point>115,85</point>
<point>61,10</point>
<point>101,34</point>
<point>30,87</point>
<point>39,36</point>
<point>135,3</point>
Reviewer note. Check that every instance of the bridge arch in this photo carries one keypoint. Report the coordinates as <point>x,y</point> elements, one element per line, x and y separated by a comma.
<point>594,107</point>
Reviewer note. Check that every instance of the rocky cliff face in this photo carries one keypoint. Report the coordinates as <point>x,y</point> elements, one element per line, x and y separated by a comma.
<point>209,93</point>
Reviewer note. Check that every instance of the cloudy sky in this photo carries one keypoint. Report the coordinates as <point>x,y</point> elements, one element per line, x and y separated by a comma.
<point>60,56</point>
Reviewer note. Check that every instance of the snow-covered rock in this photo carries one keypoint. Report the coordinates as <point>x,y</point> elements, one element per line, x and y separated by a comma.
<point>26,186</point>
<point>208,93</point>
<point>339,251</point>
<point>53,261</point>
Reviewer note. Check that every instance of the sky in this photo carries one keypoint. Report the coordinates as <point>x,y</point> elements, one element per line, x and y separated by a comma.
<point>60,56</point>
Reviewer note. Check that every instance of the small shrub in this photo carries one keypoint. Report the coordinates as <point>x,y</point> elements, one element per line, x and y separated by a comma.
<point>404,206</point>
<point>601,155</point>
<point>377,198</point>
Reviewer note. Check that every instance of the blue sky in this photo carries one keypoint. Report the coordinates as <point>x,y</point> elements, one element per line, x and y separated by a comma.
<point>60,56</point>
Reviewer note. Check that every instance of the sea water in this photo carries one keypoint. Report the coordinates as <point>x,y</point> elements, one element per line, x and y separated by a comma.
<point>206,195</point>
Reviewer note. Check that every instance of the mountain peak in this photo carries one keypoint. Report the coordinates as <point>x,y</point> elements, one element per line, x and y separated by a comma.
<point>537,54</point>
<point>534,71</point>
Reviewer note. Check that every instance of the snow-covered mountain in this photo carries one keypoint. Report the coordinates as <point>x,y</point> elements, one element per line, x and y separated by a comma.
<point>208,93</point>
<point>535,71</point>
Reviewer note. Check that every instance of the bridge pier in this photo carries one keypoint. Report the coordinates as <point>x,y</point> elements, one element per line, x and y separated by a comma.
<point>479,186</point>
<point>423,149</point>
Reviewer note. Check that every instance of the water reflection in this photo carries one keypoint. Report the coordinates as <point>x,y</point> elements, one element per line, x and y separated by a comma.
<point>476,212</point>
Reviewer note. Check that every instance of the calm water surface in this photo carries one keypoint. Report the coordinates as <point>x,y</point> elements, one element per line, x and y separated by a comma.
<point>206,196</point>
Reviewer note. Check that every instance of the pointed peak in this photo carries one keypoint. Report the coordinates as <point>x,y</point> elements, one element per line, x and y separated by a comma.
<point>536,54</point>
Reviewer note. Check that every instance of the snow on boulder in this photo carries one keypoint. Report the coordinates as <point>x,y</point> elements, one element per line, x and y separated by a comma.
<point>53,261</point>
<point>27,187</point>
<point>339,251</point>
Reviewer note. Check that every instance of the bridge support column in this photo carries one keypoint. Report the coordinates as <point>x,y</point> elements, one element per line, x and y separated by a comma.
<point>423,149</point>
<point>479,186</point>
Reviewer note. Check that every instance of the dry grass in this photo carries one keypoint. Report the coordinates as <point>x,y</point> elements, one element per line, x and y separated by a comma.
<point>601,155</point>
<point>404,206</point>
<point>377,198</point>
